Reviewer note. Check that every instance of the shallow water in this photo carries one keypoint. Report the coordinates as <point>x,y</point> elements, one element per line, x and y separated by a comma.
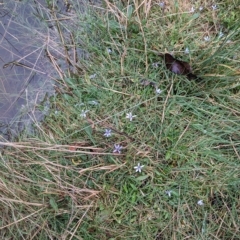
<point>24,71</point>
<point>27,75</point>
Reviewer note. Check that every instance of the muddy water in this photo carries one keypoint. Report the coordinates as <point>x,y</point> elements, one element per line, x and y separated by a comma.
<point>29,47</point>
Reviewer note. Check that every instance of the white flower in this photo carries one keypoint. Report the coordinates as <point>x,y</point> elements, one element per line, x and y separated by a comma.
<point>84,113</point>
<point>108,132</point>
<point>200,8</point>
<point>200,202</point>
<point>214,7</point>
<point>79,104</point>
<point>169,192</point>
<point>130,116</point>
<point>187,50</point>
<point>155,65</point>
<point>207,38</point>
<point>93,76</point>
<point>162,4</point>
<point>138,168</point>
<point>158,91</point>
<point>109,50</point>
<point>93,102</point>
<point>45,109</point>
<point>117,148</point>
<point>192,10</point>
<point>221,34</point>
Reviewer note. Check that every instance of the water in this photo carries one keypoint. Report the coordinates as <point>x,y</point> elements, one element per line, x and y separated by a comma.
<point>32,57</point>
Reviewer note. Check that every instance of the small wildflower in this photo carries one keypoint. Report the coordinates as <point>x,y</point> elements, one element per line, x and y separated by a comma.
<point>158,91</point>
<point>200,8</point>
<point>162,4</point>
<point>207,38</point>
<point>130,116</point>
<point>169,192</point>
<point>109,50</point>
<point>214,7</point>
<point>117,148</point>
<point>46,109</point>
<point>108,132</point>
<point>79,104</point>
<point>93,102</point>
<point>138,168</point>
<point>187,50</point>
<point>200,202</point>
<point>155,65</point>
<point>220,34</point>
<point>93,76</point>
<point>192,10</point>
<point>84,113</point>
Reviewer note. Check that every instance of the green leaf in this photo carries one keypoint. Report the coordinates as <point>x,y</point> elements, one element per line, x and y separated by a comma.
<point>141,178</point>
<point>89,130</point>
<point>53,204</point>
<point>168,155</point>
<point>195,16</point>
<point>129,11</point>
<point>133,186</point>
<point>133,198</point>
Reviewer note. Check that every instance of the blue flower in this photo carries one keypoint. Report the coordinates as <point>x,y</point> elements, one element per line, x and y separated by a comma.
<point>117,148</point>
<point>130,116</point>
<point>138,168</point>
<point>221,34</point>
<point>207,38</point>
<point>214,7</point>
<point>108,132</point>
<point>155,64</point>
<point>109,50</point>
<point>200,202</point>
<point>162,4</point>
<point>169,192</point>
<point>93,76</point>
<point>84,113</point>
<point>192,10</point>
<point>158,91</point>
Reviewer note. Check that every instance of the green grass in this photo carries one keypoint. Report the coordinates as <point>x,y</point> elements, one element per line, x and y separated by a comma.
<point>65,182</point>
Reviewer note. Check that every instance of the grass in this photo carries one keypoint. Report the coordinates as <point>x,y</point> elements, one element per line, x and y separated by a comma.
<point>65,182</point>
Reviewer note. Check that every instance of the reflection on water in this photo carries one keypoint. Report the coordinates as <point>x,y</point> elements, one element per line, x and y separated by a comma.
<point>26,74</point>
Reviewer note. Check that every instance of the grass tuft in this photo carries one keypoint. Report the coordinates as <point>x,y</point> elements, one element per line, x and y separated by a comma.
<point>65,182</point>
